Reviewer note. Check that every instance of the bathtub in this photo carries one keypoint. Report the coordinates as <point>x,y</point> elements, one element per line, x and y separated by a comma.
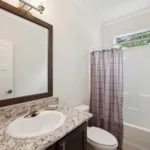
<point>136,138</point>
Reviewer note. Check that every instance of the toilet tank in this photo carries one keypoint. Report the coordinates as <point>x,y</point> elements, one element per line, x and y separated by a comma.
<point>84,108</point>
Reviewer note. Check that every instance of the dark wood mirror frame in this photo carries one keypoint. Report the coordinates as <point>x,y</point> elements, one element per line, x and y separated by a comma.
<point>21,13</point>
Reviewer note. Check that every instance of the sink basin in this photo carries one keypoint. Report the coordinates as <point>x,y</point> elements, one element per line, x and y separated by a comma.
<point>41,124</point>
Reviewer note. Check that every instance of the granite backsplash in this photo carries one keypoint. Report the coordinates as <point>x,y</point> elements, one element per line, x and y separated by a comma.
<point>13,111</point>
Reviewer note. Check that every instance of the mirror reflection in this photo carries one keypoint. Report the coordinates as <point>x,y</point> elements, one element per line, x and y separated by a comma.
<point>23,60</point>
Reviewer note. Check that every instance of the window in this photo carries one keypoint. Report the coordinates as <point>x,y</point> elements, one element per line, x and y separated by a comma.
<point>134,40</point>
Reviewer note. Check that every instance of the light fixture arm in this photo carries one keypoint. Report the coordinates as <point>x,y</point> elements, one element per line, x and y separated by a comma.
<point>39,9</point>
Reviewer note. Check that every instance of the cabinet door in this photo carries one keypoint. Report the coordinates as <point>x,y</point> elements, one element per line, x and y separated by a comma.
<point>53,147</point>
<point>76,140</point>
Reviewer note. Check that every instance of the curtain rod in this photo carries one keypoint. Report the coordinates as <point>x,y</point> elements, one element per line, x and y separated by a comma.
<point>117,46</point>
<point>110,46</point>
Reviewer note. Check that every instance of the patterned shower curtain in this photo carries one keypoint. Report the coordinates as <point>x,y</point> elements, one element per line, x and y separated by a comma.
<point>106,103</point>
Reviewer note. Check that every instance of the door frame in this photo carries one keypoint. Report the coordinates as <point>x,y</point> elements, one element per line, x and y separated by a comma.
<point>9,8</point>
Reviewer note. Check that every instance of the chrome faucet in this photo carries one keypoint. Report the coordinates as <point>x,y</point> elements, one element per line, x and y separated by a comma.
<point>33,112</point>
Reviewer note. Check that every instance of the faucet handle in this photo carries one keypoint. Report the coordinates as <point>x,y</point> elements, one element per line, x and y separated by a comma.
<point>32,108</point>
<point>33,112</point>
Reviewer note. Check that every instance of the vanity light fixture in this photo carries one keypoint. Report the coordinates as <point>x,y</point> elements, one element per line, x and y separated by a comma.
<point>40,8</point>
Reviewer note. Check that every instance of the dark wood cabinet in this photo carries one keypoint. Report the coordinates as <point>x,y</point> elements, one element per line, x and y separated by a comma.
<point>76,140</point>
<point>53,147</point>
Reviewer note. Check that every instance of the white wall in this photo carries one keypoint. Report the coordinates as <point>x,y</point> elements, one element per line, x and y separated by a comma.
<point>29,55</point>
<point>124,25</point>
<point>74,36</point>
<point>136,68</point>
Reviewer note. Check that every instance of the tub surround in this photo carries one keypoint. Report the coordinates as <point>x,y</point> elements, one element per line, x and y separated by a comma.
<point>74,119</point>
<point>141,142</point>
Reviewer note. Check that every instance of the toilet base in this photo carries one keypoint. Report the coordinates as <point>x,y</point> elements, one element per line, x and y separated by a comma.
<point>94,146</point>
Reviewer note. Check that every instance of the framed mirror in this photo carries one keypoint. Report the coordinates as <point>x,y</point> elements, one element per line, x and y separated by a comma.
<point>26,56</point>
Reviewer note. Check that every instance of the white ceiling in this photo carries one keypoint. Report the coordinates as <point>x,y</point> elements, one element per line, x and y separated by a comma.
<point>101,10</point>
<point>106,10</point>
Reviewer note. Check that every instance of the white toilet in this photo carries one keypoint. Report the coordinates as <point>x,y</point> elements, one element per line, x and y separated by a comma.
<point>98,139</point>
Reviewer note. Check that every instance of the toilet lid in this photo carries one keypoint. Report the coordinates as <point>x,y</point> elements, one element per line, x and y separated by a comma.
<point>101,136</point>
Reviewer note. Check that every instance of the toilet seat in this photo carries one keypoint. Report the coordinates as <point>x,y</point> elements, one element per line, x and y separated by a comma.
<point>101,137</point>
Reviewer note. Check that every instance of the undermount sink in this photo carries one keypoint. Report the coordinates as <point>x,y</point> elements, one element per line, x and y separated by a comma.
<point>41,124</point>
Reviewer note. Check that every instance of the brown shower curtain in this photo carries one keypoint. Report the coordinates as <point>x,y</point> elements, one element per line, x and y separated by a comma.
<point>106,102</point>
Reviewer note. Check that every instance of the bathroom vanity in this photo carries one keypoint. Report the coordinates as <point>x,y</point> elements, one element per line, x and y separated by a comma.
<point>70,135</point>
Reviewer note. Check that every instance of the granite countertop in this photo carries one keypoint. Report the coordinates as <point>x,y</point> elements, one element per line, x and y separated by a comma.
<point>74,119</point>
